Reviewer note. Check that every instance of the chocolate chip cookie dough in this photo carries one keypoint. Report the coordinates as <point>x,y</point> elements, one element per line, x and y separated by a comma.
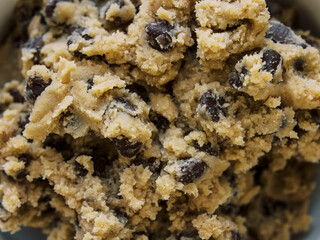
<point>155,119</point>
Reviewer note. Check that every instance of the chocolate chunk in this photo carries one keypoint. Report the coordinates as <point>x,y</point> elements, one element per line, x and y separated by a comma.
<point>299,65</point>
<point>35,86</point>
<point>127,105</point>
<point>208,148</point>
<point>139,90</point>
<point>16,95</point>
<point>127,148</point>
<point>235,236</point>
<point>80,170</point>
<point>90,84</point>
<point>279,33</point>
<point>159,35</point>
<point>37,44</point>
<point>271,60</point>
<point>190,170</point>
<point>51,6</point>
<point>315,115</point>
<point>99,166</point>
<point>159,121</point>
<point>213,105</point>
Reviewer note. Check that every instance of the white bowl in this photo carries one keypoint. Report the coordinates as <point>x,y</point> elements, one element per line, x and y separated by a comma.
<point>309,19</point>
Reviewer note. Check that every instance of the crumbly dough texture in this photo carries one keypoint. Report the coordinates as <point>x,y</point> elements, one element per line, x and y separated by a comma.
<point>155,119</point>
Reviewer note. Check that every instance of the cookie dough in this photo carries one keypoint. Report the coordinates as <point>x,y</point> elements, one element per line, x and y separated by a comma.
<point>149,119</point>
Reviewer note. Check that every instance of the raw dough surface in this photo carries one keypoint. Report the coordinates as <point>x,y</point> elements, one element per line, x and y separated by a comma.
<point>151,119</point>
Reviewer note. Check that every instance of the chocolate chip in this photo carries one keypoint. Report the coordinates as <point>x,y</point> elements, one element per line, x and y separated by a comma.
<point>244,71</point>
<point>271,60</point>
<point>235,236</point>
<point>312,42</point>
<point>190,170</point>
<point>159,121</point>
<point>22,175</point>
<point>80,170</point>
<point>23,121</point>
<point>279,33</point>
<point>122,216</point>
<point>37,44</point>
<point>315,115</point>
<point>71,28</point>
<point>208,148</point>
<point>81,32</point>
<point>51,6</point>
<point>228,209</point>
<point>90,84</point>
<point>49,210</point>
<point>99,166</point>
<point>236,80</point>
<point>80,55</point>
<point>258,170</point>
<point>189,234</point>
<point>78,31</point>
<point>16,95</point>
<point>35,86</point>
<point>213,105</point>
<point>303,45</point>
<point>116,20</point>
<point>128,105</point>
<point>139,90</point>
<point>152,164</point>
<point>159,35</point>
<point>169,88</point>
<point>299,65</point>
<point>26,158</point>
<point>45,199</point>
<point>120,3</point>
<point>61,144</point>
<point>127,148</point>
<point>271,206</point>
